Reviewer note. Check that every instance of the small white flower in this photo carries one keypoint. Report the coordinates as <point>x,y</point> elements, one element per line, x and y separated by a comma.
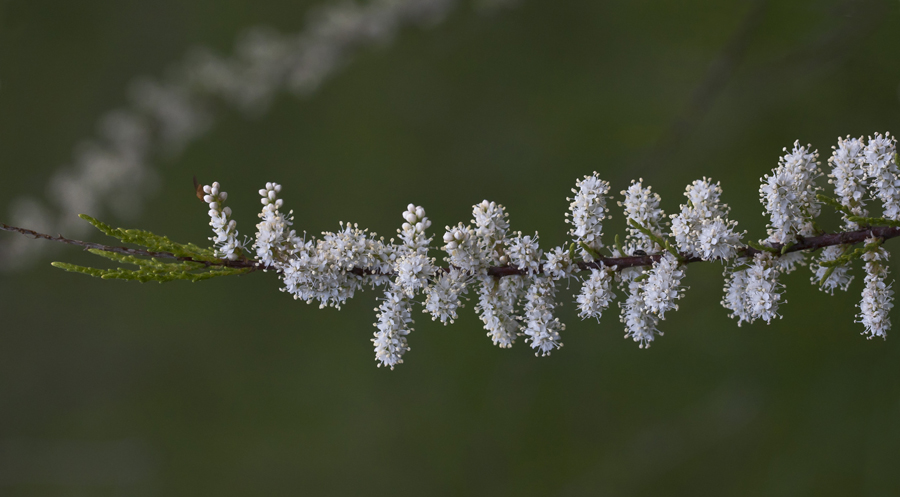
<point>763,289</point>
<point>702,229</point>
<point>393,327</point>
<point>884,177</point>
<point>413,271</point>
<point>717,239</point>
<point>848,175</point>
<point>596,294</point>
<point>412,232</point>
<point>274,238</point>
<point>754,292</point>
<point>663,285</point>
<point>525,253</point>
<point>640,323</point>
<point>540,326</point>
<point>443,295</point>
<point>735,299</point>
<point>496,307</point>
<point>877,296</point>
<point>789,195</point>
<point>559,264</point>
<point>224,228</point>
<point>491,226</point>
<point>461,246</point>
<point>642,206</point>
<point>587,211</point>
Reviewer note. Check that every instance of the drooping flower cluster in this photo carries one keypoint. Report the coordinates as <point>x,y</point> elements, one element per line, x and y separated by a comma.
<point>596,293</point>
<point>516,280</point>
<point>540,327</point>
<point>754,292</point>
<point>877,296</point>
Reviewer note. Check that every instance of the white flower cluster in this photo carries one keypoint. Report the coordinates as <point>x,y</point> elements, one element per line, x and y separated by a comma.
<point>882,172</point>
<point>848,176</point>
<point>393,327</point>
<point>540,327</point>
<point>702,228</point>
<point>587,211</point>
<point>225,228</point>
<point>496,308</point>
<point>525,253</point>
<point>789,195</point>
<point>442,298</point>
<point>516,280</point>
<point>754,292</point>
<point>877,296</point>
<point>596,293</point>
<point>642,207</point>
<point>640,323</point>
<point>274,236</point>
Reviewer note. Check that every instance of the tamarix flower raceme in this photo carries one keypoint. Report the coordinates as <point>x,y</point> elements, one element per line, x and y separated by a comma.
<point>513,281</point>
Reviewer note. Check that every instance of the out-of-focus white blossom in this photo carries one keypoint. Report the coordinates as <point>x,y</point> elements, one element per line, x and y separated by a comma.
<point>877,296</point>
<point>165,115</point>
<point>848,175</point>
<point>596,293</point>
<point>587,211</point>
<point>839,277</point>
<point>663,285</point>
<point>540,327</point>
<point>789,195</point>
<point>702,228</point>
<point>225,228</point>
<point>884,177</point>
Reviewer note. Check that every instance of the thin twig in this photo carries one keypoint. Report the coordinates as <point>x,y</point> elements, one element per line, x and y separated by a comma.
<point>811,243</point>
<point>244,263</point>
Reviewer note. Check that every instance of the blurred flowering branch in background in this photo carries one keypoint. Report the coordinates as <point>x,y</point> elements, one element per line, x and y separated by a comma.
<point>115,170</point>
<point>516,280</point>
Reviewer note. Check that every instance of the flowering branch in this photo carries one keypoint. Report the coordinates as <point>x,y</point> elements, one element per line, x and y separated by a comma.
<point>516,280</point>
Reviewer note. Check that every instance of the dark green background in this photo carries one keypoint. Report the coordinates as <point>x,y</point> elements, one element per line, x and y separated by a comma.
<point>229,387</point>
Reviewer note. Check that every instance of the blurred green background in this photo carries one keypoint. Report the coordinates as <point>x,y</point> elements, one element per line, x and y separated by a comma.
<point>229,387</point>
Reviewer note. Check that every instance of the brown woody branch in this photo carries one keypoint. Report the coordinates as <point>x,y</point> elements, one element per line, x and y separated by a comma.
<point>809,243</point>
